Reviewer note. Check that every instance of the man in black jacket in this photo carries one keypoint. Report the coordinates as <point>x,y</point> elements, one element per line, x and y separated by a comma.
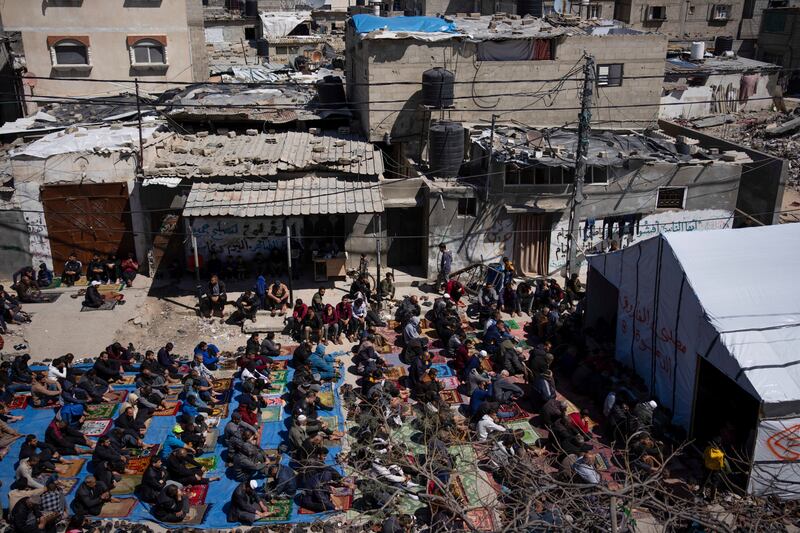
<point>246,505</point>
<point>72,270</point>
<point>90,497</point>
<point>107,369</point>
<point>185,470</point>
<point>172,504</point>
<point>153,481</point>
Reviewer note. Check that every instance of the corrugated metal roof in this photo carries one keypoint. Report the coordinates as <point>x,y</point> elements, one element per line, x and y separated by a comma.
<point>310,195</point>
<point>189,156</point>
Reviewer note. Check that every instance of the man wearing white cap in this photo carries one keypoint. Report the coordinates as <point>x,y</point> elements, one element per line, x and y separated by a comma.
<point>474,373</point>
<point>94,299</point>
<point>246,504</point>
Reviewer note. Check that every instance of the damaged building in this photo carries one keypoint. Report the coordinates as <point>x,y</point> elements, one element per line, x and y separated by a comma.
<point>238,194</point>
<point>518,206</point>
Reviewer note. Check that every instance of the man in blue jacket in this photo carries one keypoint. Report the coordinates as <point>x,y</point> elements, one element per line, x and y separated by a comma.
<point>209,354</point>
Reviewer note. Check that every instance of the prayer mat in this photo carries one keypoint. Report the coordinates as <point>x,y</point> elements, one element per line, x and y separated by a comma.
<point>523,344</point>
<point>105,306</point>
<point>450,396</point>
<point>69,467</point>
<point>272,413</point>
<point>19,401</point>
<point>137,465</point>
<point>439,360</point>
<point>213,421</point>
<point>394,373</point>
<point>148,450</point>
<point>127,484</point>
<point>600,462</point>
<point>83,281</point>
<point>196,494</point>
<point>46,298</point>
<point>184,369</point>
<point>222,385</point>
<point>170,410</point>
<point>172,396</point>
<point>211,441</point>
<point>127,380</point>
<point>119,509</point>
<point>279,365</point>
<point>113,287</point>
<point>209,463</point>
<point>325,395</point>
<point>481,518</point>
<point>279,376</point>
<point>511,412</point>
<point>196,514</point>
<point>463,455</point>
<point>100,410</point>
<point>386,348</point>
<point>67,484</point>
<point>220,410</point>
<point>529,434</point>
<point>117,396</point>
<point>56,283</point>
<point>280,511</point>
<point>470,481</point>
<point>450,383</point>
<point>512,324</point>
<point>273,400</point>
<point>227,364</point>
<point>442,371</point>
<point>96,428</point>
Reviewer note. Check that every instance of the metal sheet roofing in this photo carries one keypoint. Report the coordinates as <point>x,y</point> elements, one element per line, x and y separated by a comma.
<point>263,154</point>
<point>310,195</point>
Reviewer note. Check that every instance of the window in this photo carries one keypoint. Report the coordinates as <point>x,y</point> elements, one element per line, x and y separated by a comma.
<point>720,12</point>
<point>656,13</point>
<point>594,11</point>
<point>467,207</point>
<point>609,75</point>
<point>778,3</point>
<point>69,52</point>
<point>596,174</point>
<point>691,9</point>
<point>281,50</point>
<point>516,175</point>
<point>249,33</point>
<point>774,22</point>
<point>147,52</point>
<point>671,198</point>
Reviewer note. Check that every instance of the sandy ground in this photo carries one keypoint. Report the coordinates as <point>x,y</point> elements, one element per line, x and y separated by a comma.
<point>151,317</point>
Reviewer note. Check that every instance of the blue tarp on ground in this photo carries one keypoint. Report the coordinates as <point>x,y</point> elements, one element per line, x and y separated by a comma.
<point>35,422</point>
<point>368,23</point>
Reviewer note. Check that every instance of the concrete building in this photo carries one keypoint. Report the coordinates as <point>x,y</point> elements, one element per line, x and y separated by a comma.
<point>637,185</point>
<point>237,194</point>
<point>779,38</point>
<point>683,21</point>
<point>79,41</point>
<point>718,86</point>
<point>530,68</point>
<point>78,192</point>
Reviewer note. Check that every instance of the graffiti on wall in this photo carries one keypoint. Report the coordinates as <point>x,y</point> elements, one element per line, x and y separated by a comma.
<point>595,238</point>
<point>39,239</point>
<point>241,236</point>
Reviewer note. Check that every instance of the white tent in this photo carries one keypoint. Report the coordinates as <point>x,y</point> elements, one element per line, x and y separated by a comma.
<point>731,297</point>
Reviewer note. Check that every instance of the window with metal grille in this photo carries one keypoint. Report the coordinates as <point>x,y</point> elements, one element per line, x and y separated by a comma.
<point>467,207</point>
<point>609,75</point>
<point>671,198</point>
<point>721,12</point>
<point>596,174</point>
<point>594,11</point>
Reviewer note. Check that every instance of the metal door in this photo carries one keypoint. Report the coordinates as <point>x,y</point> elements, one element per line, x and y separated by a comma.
<point>87,219</point>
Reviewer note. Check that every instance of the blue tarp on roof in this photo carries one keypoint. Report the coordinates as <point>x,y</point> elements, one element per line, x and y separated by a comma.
<point>368,23</point>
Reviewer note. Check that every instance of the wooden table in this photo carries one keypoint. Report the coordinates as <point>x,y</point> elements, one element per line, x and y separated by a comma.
<point>332,267</point>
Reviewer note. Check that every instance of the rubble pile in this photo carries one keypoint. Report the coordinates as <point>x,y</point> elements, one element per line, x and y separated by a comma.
<point>775,133</point>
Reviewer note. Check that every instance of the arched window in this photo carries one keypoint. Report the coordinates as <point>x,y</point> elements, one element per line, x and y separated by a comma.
<point>70,52</point>
<point>148,52</point>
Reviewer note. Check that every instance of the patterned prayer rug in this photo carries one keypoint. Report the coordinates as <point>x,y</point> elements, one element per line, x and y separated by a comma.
<point>170,409</point>
<point>96,428</point>
<point>450,396</point>
<point>127,484</point>
<point>481,518</point>
<point>197,494</point>
<point>69,467</point>
<point>100,410</point>
<point>118,509</point>
<point>280,511</point>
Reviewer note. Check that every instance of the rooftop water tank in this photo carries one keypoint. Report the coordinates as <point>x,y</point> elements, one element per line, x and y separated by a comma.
<point>437,88</point>
<point>445,149</point>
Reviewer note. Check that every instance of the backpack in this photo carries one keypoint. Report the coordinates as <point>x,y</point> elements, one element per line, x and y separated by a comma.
<point>714,458</point>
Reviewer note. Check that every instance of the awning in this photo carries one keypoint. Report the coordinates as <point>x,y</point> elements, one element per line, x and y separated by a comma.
<point>542,205</point>
<point>310,195</point>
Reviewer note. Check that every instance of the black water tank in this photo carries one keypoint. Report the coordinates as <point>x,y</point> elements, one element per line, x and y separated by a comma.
<point>437,88</point>
<point>446,149</point>
<point>723,44</point>
<point>251,8</point>
<point>331,92</point>
<point>529,7</point>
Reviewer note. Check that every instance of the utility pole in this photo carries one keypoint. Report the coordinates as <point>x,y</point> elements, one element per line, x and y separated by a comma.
<point>139,115</point>
<point>289,263</point>
<point>378,250</point>
<point>584,126</point>
<point>489,165</point>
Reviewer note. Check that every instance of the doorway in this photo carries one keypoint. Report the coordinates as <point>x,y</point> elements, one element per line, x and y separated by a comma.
<point>723,409</point>
<point>405,232</point>
<point>88,219</point>
<point>532,244</point>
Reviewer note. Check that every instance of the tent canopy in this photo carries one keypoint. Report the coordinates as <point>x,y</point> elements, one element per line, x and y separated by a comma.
<point>730,297</point>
